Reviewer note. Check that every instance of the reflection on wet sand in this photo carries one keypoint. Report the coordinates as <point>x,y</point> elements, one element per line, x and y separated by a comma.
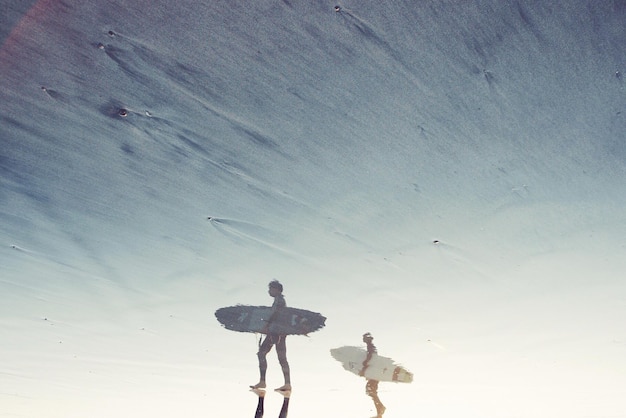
<point>258,413</point>
<point>374,368</point>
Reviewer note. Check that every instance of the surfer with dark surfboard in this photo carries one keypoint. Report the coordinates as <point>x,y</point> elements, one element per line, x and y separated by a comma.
<point>276,291</point>
<point>371,387</point>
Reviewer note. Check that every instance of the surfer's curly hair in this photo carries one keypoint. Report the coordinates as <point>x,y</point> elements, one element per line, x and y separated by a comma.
<point>276,285</point>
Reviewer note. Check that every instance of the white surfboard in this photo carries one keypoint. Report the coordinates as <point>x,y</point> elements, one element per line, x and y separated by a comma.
<point>380,368</point>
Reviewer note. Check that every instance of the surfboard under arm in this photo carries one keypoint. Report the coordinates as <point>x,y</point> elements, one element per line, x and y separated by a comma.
<point>287,321</point>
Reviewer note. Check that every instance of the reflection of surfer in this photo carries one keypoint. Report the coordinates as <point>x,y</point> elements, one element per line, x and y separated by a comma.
<point>371,387</point>
<point>276,291</point>
<point>259,407</point>
<point>258,413</point>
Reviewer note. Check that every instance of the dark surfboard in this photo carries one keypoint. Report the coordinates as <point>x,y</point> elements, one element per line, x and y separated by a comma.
<point>288,321</point>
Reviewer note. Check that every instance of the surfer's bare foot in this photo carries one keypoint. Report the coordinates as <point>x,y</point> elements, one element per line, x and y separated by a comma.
<point>260,385</point>
<point>284,388</point>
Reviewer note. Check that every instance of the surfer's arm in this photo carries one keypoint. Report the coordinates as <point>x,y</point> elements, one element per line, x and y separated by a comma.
<point>370,353</point>
<point>269,320</point>
<point>272,314</point>
<point>366,363</point>
<point>362,372</point>
<point>275,307</point>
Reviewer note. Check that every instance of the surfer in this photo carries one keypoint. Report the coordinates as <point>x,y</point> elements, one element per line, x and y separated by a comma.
<point>275,291</point>
<point>371,387</point>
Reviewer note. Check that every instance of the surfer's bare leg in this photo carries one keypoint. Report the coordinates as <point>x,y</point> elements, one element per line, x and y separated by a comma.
<point>281,350</point>
<point>371,388</point>
<point>264,348</point>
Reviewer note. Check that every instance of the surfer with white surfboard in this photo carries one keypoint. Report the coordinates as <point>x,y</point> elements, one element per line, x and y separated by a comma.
<point>275,290</point>
<point>371,387</point>
<point>373,367</point>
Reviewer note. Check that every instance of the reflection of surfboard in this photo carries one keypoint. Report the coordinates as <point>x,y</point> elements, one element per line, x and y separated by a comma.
<point>288,321</point>
<point>380,368</point>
